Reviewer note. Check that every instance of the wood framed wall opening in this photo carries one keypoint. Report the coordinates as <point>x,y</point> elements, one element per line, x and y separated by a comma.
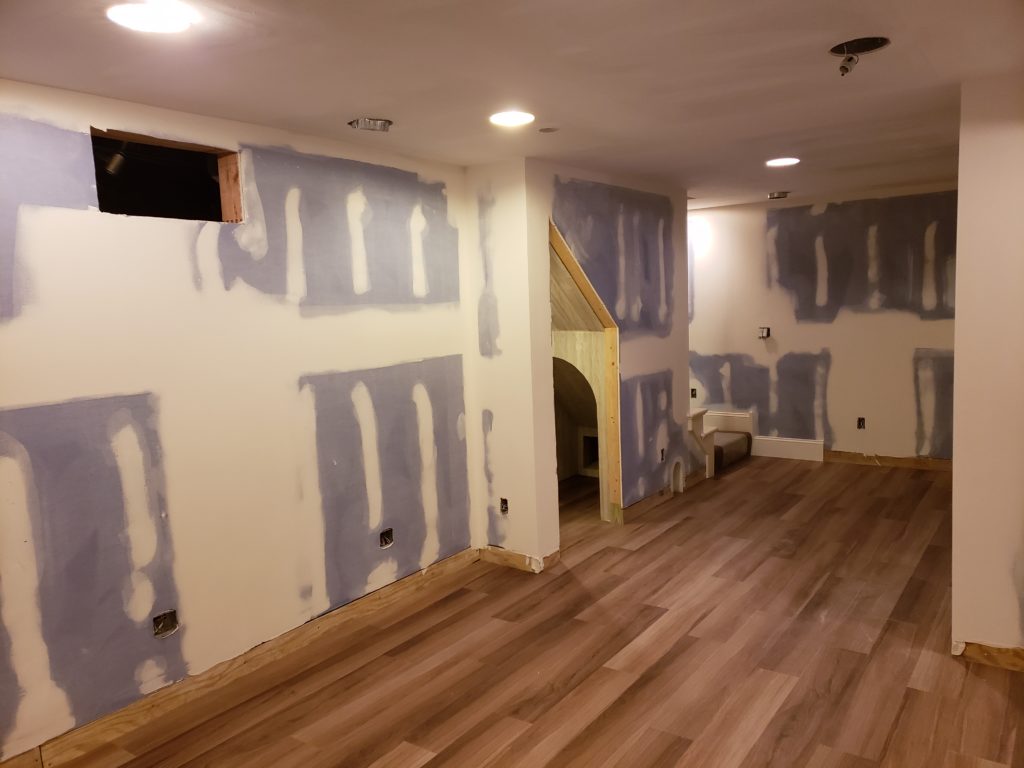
<point>143,175</point>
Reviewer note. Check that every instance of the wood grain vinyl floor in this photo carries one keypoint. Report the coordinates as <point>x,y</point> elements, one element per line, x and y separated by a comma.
<point>785,614</point>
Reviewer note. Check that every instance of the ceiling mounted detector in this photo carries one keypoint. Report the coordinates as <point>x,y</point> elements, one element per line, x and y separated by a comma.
<point>850,51</point>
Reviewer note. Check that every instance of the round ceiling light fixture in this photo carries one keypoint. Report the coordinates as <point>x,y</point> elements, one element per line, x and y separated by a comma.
<point>512,118</point>
<point>782,162</point>
<point>159,16</point>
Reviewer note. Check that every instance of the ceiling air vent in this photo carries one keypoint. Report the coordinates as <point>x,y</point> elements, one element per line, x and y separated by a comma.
<point>378,124</point>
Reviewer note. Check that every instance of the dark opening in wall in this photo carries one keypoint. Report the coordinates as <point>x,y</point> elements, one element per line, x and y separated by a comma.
<point>589,458</point>
<point>144,176</point>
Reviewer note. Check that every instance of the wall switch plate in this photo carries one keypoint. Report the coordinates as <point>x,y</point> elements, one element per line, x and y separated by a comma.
<point>504,506</point>
<point>862,423</point>
<point>693,393</point>
<point>764,332</point>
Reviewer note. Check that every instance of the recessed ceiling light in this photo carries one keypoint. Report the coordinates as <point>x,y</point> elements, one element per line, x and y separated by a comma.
<point>160,16</point>
<point>512,118</point>
<point>782,162</point>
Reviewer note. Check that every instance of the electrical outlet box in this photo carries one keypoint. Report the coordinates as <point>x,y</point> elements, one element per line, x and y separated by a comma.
<point>165,624</point>
<point>693,393</point>
<point>663,454</point>
<point>387,538</point>
<point>504,506</point>
<point>764,332</point>
<point>862,423</point>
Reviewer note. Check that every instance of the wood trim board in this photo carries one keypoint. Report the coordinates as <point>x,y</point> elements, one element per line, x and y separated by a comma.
<point>518,560</point>
<point>1007,658</point>
<point>904,462</point>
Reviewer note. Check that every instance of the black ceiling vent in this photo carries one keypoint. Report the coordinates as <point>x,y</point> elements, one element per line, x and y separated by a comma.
<point>859,46</point>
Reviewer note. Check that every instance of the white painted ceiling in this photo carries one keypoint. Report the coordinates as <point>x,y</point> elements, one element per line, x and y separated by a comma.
<point>697,92</point>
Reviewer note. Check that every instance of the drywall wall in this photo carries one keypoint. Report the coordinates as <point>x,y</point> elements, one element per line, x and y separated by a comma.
<point>988,484</point>
<point>513,377</point>
<point>629,237</point>
<point>859,296</point>
<point>223,418</point>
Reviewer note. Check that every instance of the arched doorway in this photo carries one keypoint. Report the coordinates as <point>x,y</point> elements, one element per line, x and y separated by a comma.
<point>576,438</point>
<point>577,447</point>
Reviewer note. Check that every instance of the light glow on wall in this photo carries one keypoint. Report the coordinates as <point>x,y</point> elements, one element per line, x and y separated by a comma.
<point>699,237</point>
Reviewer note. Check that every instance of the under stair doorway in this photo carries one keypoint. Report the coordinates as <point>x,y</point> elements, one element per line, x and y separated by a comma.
<point>585,347</point>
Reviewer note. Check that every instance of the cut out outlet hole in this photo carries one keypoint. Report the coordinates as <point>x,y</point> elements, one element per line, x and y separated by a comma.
<point>862,423</point>
<point>387,538</point>
<point>165,623</point>
<point>504,506</point>
<point>693,393</point>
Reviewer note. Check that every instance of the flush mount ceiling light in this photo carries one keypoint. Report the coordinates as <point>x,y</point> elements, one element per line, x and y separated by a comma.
<point>782,162</point>
<point>512,118</point>
<point>379,124</point>
<point>160,16</point>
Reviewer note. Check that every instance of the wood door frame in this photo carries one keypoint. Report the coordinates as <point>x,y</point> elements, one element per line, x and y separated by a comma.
<point>595,353</point>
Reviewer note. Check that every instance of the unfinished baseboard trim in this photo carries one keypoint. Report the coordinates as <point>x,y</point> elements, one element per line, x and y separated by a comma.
<point>633,511</point>
<point>518,560</point>
<point>905,462</point>
<point>1006,658</point>
<point>31,759</point>
<point>99,733</point>
<point>788,448</point>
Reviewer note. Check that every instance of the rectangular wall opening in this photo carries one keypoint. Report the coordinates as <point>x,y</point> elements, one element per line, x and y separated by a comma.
<point>146,176</point>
